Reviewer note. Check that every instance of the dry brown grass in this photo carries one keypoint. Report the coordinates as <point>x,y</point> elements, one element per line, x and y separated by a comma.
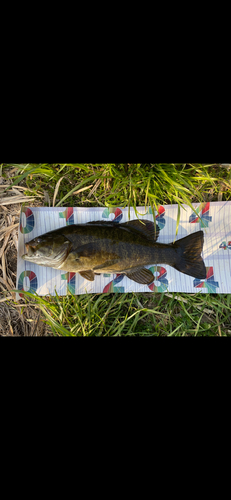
<point>19,319</point>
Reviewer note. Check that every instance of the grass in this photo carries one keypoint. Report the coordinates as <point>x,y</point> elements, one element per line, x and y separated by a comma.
<point>130,185</point>
<point>124,184</point>
<point>136,314</point>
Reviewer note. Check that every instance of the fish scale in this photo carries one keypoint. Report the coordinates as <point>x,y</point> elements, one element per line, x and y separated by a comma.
<point>103,247</point>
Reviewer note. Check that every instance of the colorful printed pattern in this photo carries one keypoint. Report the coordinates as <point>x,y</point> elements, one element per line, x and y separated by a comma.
<point>71,281</point>
<point>68,215</point>
<point>33,282</point>
<point>203,212</point>
<point>112,286</point>
<point>209,283</point>
<point>159,217</point>
<point>29,220</point>
<point>162,273</point>
<point>224,246</point>
<point>115,214</point>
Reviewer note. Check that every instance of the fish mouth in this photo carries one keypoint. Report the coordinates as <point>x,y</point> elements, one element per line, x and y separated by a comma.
<point>31,249</point>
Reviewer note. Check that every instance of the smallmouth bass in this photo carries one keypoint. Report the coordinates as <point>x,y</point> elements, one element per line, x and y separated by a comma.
<point>105,247</point>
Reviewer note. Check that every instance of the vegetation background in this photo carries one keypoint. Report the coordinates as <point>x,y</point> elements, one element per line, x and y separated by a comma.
<point>109,184</point>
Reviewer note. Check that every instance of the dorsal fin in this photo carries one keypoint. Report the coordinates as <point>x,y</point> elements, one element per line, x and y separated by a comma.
<point>146,227</point>
<point>102,222</point>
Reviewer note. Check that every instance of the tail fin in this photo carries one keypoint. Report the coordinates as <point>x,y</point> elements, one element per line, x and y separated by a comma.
<point>189,260</point>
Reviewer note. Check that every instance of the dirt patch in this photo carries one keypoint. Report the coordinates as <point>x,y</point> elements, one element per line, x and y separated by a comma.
<point>11,262</point>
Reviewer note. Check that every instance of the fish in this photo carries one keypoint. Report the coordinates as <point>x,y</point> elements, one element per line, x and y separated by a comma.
<point>105,247</point>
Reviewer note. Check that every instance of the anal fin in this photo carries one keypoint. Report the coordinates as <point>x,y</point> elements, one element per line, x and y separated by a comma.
<point>141,275</point>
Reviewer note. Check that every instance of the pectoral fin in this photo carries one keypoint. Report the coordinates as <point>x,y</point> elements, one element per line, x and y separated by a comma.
<point>141,275</point>
<point>88,275</point>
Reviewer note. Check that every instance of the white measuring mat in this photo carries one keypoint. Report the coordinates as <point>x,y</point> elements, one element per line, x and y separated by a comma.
<point>213,218</point>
